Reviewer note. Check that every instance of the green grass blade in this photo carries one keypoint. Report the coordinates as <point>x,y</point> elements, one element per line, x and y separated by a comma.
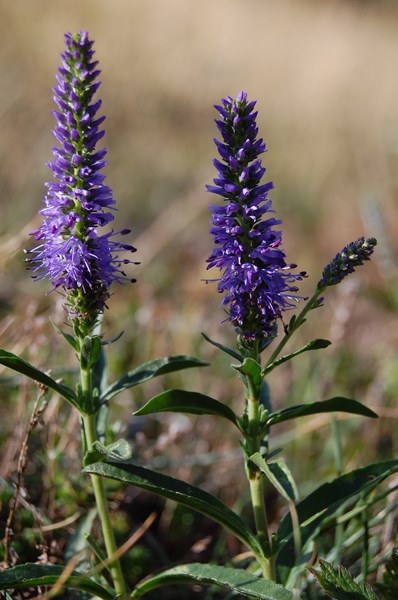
<point>324,503</point>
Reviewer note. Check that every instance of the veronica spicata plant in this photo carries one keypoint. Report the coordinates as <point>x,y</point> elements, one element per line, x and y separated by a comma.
<point>82,261</point>
<point>258,288</point>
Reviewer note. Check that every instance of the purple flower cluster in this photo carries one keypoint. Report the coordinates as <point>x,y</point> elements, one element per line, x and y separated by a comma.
<point>72,254</point>
<point>346,261</point>
<point>256,280</point>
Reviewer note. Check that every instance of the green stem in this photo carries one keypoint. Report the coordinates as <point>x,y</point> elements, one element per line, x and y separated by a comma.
<point>253,440</point>
<point>256,484</point>
<point>298,322</point>
<point>256,481</point>
<point>90,432</point>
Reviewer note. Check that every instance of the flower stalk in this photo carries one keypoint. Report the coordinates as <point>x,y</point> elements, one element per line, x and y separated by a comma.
<point>78,259</point>
<point>256,486</point>
<point>97,482</point>
<point>257,283</point>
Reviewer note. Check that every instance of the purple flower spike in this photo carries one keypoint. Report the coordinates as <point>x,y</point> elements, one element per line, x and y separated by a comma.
<point>72,254</point>
<point>255,279</point>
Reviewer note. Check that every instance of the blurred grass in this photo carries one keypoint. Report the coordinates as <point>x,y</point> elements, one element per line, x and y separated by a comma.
<point>324,74</point>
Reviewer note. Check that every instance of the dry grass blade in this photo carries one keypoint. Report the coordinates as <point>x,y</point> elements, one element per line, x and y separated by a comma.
<point>38,409</point>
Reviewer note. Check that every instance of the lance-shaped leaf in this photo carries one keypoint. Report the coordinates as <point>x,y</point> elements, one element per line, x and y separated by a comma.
<point>192,403</point>
<point>313,345</point>
<point>67,336</point>
<point>149,370</point>
<point>279,475</point>
<point>20,365</point>
<point>239,581</point>
<point>251,370</point>
<point>225,349</point>
<point>337,404</point>
<point>323,504</point>
<point>27,575</point>
<point>181,492</point>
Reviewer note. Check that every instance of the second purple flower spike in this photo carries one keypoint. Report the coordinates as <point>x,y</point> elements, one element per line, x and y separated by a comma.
<point>256,280</point>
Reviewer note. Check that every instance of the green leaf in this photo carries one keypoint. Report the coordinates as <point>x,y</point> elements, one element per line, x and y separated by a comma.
<point>338,403</point>
<point>251,369</point>
<point>117,451</point>
<point>28,575</point>
<point>182,401</point>
<point>225,349</point>
<point>90,351</point>
<point>238,580</point>
<point>313,345</point>
<point>323,504</point>
<point>149,370</point>
<point>112,340</point>
<point>340,585</point>
<point>67,336</point>
<point>180,491</point>
<point>279,475</point>
<point>21,366</point>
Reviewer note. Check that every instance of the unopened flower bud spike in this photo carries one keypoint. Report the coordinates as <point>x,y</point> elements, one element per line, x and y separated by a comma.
<point>344,263</point>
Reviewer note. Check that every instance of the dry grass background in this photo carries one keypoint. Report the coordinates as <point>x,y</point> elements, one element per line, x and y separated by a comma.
<point>325,76</point>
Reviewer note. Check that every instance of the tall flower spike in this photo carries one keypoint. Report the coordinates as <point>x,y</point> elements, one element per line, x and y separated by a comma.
<point>256,280</point>
<point>72,254</point>
<point>346,261</point>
